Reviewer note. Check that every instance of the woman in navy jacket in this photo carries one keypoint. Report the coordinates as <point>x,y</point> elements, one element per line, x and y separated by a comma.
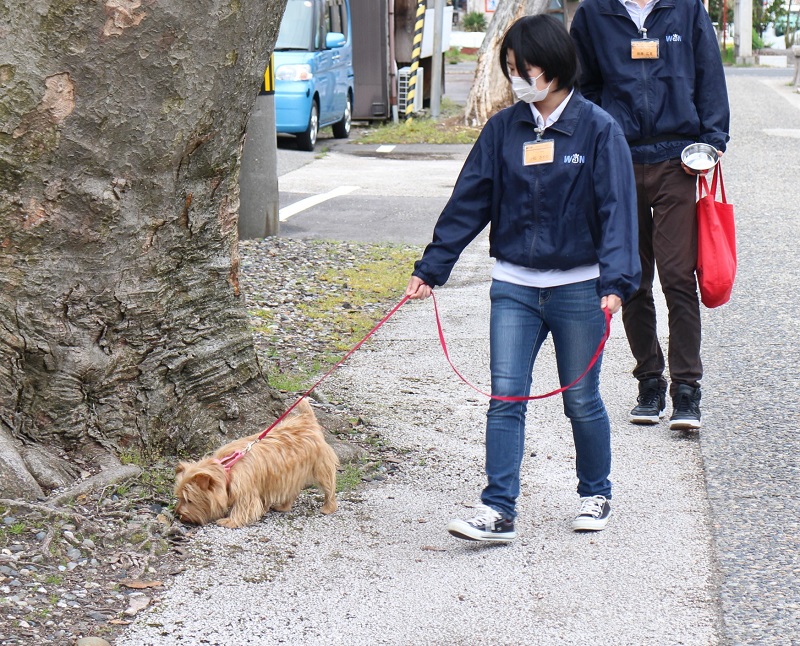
<point>552,176</point>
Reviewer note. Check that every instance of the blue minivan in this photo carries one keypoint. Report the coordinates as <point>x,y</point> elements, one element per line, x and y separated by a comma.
<point>314,80</point>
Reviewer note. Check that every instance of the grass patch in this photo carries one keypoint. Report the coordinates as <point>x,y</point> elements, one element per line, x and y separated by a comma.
<point>346,304</point>
<point>455,55</point>
<point>421,129</point>
<point>16,529</point>
<point>349,479</point>
<point>385,272</point>
<point>728,56</point>
<point>290,381</point>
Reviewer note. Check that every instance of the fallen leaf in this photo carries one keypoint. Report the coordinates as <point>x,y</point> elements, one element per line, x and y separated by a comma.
<point>140,585</point>
<point>432,548</point>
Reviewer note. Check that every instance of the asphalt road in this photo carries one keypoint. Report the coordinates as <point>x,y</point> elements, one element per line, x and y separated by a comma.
<point>387,202</point>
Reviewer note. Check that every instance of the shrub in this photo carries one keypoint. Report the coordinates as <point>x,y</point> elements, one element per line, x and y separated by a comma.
<point>474,21</point>
<point>758,42</point>
<point>453,55</point>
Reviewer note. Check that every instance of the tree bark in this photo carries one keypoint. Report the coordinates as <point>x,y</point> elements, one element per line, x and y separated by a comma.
<point>122,327</point>
<point>490,90</point>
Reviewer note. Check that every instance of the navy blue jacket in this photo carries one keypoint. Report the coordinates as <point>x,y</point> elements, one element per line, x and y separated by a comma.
<point>662,104</point>
<point>578,210</point>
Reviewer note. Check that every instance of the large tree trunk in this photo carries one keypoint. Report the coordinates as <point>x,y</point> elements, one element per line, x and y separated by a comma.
<point>490,90</point>
<point>121,323</point>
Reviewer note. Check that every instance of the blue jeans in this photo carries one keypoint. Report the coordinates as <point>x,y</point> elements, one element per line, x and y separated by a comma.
<point>521,319</point>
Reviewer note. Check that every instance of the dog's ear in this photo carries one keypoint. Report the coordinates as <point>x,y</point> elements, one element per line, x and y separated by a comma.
<point>180,468</point>
<point>204,481</point>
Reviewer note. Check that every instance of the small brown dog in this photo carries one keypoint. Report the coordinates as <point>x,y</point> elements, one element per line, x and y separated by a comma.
<point>291,456</point>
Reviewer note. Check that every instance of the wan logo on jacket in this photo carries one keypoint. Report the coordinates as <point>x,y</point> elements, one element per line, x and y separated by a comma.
<point>673,38</point>
<point>574,159</point>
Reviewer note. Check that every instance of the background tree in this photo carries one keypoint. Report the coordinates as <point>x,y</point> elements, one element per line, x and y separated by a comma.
<point>490,90</point>
<point>720,13</point>
<point>121,322</point>
<point>790,20</point>
<point>765,13</point>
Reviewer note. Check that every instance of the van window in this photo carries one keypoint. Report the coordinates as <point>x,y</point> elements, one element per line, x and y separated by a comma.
<point>303,26</point>
<point>337,17</point>
<point>297,26</point>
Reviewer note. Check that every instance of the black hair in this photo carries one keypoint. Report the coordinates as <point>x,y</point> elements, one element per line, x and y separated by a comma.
<point>542,41</point>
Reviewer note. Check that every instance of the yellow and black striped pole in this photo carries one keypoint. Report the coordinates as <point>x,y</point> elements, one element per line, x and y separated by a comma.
<point>268,86</point>
<point>416,51</point>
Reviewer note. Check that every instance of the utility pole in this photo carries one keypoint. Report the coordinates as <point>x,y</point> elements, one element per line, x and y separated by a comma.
<point>436,58</point>
<point>743,33</point>
<point>258,176</point>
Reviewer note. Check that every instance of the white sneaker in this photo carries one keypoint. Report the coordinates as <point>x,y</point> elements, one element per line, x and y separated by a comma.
<point>486,525</point>
<point>593,515</point>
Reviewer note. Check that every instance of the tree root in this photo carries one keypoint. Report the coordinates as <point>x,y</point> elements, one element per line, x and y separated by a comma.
<point>47,510</point>
<point>102,479</point>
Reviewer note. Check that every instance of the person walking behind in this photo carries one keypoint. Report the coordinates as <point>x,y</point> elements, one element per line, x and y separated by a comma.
<point>552,176</point>
<point>655,66</point>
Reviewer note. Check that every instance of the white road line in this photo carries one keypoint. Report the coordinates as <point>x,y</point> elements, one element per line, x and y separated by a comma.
<point>783,132</point>
<point>384,149</point>
<point>293,209</point>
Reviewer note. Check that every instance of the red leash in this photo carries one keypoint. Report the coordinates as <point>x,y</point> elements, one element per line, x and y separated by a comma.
<point>229,460</point>
<point>508,398</point>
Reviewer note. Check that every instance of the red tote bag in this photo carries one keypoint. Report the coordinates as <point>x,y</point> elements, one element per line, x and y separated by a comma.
<point>716,243</point>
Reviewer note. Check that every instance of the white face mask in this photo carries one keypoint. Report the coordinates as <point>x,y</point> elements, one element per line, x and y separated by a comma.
<point>527,92</point>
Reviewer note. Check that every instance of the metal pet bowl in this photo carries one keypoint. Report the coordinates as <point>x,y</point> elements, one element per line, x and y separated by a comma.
<point>700,157</point>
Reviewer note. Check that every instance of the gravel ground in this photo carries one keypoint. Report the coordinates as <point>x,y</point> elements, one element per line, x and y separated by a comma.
<point>383,570</point>
<point>91,566</point>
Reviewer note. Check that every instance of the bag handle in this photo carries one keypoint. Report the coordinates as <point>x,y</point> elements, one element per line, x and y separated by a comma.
<point>713,190</point>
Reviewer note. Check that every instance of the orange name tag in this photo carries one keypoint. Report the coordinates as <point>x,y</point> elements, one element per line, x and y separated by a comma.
<point>539,152</point>
<point>644,48</point>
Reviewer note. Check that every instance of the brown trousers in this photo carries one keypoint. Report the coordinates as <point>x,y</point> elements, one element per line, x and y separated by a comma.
<point>667,241</point>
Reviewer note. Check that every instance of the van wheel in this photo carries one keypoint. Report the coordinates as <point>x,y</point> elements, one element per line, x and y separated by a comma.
<point>341,129</point>
<point>306,140</point>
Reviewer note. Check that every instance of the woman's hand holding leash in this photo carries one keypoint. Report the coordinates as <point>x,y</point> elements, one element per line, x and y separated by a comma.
<point>612,302</point>
<point>417,289</point>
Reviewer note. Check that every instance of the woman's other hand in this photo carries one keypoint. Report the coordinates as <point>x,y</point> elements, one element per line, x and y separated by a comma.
<point>417,289</point>
<point>612,302</point>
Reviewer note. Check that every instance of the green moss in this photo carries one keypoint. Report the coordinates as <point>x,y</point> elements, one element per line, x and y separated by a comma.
<point>58,14</point>
<point>172,105</point>
<point>7,73</point>
<point>349,478</point>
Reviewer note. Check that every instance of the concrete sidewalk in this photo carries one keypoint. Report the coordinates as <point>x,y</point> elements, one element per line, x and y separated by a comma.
<point>702,548</point>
